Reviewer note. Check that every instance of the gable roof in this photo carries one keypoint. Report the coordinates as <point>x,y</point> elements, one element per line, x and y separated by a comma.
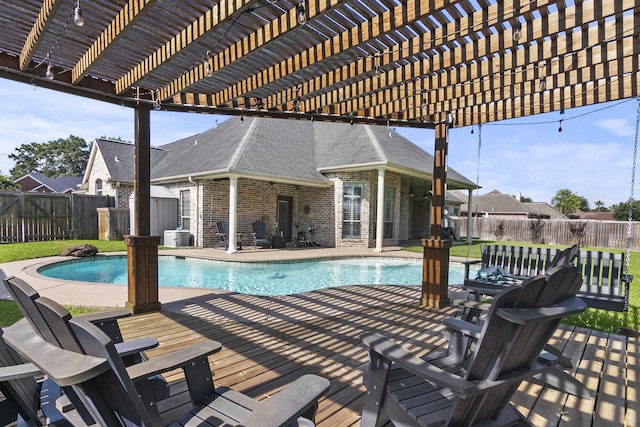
<point>61,184</point>
<point>278,150</point>
<point>497,203</point>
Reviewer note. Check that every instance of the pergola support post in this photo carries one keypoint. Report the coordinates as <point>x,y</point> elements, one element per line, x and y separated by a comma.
<point>435,261</point>
<point>142,248</point>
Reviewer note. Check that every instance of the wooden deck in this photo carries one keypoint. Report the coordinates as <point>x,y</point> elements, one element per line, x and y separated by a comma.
<point>269,341</point>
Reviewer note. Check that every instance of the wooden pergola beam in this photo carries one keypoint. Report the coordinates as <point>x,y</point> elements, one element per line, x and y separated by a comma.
<point>126,19</point>
<point>47,11</point>
<point>242,49</point>
<point>547,59</point>
<point>220,13</point>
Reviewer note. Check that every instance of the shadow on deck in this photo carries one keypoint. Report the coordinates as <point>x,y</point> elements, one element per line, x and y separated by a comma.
<point>270,341</point>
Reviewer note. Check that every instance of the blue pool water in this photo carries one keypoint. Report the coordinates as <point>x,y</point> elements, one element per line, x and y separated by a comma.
<point>275,278</point>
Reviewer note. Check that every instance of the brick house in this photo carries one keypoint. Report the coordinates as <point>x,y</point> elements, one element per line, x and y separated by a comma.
<point>38,183</point>
<point>293,175</point>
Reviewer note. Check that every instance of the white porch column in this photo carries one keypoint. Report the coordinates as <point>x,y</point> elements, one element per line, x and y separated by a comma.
<point>469,216</point>
<point>380,212</point>
<point>233,215</point>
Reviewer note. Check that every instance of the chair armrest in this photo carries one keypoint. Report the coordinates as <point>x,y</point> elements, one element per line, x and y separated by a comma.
<point>170,361</point>
<point>469,263</point>
<point>475,305</point>
<point>106,316</point>
<point>523,316</point>
<point>463,327</point>
<point>15,372</point>
<point>133,347</point>
<point>64,367</point>
<point>287,405</point>
<point>407,360</point>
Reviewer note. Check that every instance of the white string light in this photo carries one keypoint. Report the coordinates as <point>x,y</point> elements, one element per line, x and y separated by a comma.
<point>77,15</point>
<point>301,13</point>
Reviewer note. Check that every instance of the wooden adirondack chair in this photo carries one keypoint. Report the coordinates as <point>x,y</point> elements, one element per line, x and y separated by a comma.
<point>20,389</point>
<point>472,384</point>
<point>25,296</point>
<point>99,375</point>
<point>259,235</point>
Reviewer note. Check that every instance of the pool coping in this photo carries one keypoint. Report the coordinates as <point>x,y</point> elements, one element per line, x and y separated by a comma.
<point>107,295</point>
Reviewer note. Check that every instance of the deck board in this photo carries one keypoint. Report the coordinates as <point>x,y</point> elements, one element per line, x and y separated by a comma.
<point>270,341</point>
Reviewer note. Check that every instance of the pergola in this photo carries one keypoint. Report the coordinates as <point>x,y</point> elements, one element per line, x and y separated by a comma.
<point>421,63</point>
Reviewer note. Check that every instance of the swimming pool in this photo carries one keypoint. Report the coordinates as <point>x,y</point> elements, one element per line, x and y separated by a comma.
<point>256,278</point>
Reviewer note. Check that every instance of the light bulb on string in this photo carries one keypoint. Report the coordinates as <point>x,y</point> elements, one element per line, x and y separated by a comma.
<point>560,127</point>
<point>77,15</point>
<point>301,13</point>
<point>208,71</point>
<point>542,84</point>
<point>517,31</point>
<point>49,73</point>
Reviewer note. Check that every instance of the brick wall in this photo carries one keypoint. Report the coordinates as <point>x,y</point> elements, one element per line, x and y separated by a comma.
<point>317,207</point>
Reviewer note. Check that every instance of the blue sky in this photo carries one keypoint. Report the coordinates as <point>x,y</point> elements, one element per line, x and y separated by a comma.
<point>592,156</point>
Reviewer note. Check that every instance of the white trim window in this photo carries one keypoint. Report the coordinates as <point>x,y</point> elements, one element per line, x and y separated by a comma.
<point>388,212</point>
<point>185,209</point>
<point>352,210</point>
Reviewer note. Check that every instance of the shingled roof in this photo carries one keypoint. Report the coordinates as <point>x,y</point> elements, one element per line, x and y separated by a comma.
<point>61,184</point>
<point>278,150</point>
<point>497,203</point>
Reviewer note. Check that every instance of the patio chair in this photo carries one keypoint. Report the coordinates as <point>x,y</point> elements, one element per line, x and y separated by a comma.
<point>472,385</point>
<point>25,296</point>
<point>223,234</point>
<point>99,375</point>
<point>21,402</point>
<point>259,235</point>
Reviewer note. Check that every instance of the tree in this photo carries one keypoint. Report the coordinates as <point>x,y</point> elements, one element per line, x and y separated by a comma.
<point>7,183</point>
<point>567,202</point>
<point>523,199</point>
<point>599,206</point>
<point>59,157</point>
<point>621,211</point>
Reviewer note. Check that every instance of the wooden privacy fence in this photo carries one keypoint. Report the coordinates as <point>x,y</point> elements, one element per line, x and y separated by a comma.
<point>589,233</point>
<point>27,217</point>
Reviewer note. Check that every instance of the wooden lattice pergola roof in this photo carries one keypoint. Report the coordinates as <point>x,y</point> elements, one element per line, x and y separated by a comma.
<point>389,62</point>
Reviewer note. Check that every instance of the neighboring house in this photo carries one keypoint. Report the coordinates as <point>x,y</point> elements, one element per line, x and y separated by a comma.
<point>293,175</point>
<point>497,204</point>
<point>38,183</point>
<point>600,216</point>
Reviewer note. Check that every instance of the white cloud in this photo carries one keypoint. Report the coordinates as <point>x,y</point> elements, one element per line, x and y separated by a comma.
<point>618,127</point>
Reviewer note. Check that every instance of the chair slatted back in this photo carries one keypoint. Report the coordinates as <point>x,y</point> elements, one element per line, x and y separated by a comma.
<point>25,296</point>
<point>260,229</point>
<point>507,347</point>
<point>98,393</point>
<point>23,394</point>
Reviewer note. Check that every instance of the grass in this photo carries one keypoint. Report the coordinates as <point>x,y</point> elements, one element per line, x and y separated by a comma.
<point>9,312</point>
<point>30,250</point>
<point>602,320</point>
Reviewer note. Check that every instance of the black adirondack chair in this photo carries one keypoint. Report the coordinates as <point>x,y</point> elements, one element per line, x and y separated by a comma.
<point>472,383</point>
<point>22,385</point>
<point>110,395</point>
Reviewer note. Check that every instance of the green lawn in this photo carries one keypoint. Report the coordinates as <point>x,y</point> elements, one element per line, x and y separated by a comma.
<point>603,320</point>
<point>9,312</point>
